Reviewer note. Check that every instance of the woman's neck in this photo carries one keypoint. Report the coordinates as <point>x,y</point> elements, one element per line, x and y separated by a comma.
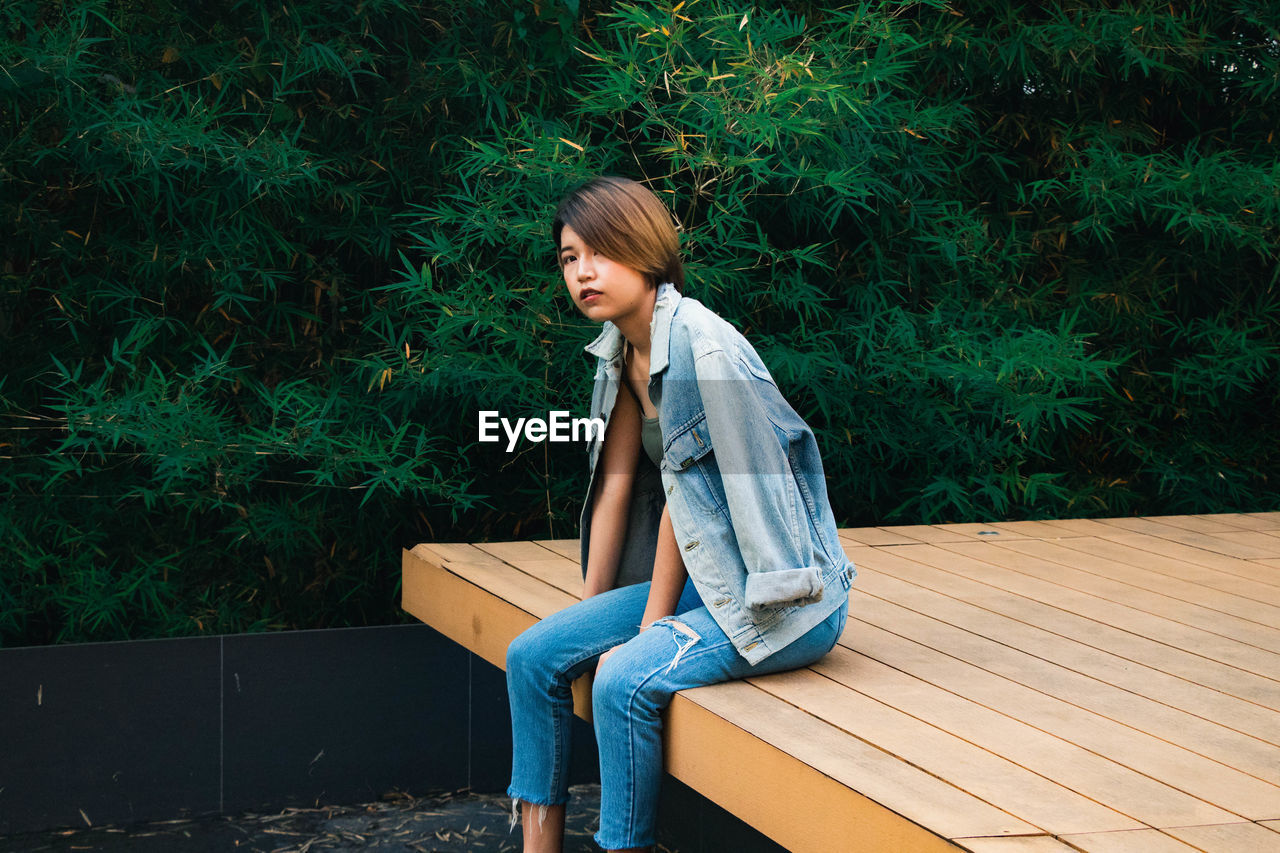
<point>635,326</point>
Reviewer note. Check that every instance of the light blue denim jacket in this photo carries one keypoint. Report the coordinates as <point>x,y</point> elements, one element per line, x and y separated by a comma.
<point>741,474</point>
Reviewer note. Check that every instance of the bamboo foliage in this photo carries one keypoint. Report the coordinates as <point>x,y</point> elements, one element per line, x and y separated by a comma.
<point>264,263</point>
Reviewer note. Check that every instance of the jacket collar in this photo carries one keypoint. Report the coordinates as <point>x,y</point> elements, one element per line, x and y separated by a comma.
<point>608,344</point>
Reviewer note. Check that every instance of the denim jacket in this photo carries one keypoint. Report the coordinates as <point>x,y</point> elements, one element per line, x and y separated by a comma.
<point>742,477</point>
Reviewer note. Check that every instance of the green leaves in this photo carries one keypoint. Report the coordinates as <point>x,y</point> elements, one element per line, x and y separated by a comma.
<point>269,261</point>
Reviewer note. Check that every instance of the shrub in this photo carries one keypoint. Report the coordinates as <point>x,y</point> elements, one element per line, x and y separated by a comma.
<point>266,262</point>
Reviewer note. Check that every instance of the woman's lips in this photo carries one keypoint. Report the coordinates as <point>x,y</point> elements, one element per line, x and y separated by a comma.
<point>587,294</point>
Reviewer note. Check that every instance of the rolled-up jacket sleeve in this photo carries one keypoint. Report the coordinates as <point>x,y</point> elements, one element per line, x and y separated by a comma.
<point>764,507</point>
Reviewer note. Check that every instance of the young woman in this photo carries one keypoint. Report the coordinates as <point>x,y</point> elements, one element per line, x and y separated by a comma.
<point>709,549</point>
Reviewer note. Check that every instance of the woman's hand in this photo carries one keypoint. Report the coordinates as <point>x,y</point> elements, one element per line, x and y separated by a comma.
<point>600,661</point>
<point>605,656</point>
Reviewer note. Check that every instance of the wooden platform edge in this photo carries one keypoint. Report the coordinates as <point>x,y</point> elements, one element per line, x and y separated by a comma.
<point>793,803</point>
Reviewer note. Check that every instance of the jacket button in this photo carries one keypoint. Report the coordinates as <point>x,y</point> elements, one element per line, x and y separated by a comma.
<point>721,602</point>
<point>669,488</point>
<point>689,546</point>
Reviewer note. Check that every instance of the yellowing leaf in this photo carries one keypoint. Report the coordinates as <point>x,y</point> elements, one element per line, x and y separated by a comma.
<point>171,54</point>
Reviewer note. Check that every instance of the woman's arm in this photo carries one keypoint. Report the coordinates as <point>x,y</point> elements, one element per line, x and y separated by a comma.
<point>668,579</point>
<point>615,479</point>
<point>668,574</point>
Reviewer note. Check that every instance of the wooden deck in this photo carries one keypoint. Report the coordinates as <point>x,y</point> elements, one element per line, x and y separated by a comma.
<point>1093,685</point>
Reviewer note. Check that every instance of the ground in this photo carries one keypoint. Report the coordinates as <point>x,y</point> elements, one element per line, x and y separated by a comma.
<point>445,823</point>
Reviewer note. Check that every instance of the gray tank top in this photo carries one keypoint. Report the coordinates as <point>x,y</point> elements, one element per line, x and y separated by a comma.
<point>651,438</point>
<point>650,431</point>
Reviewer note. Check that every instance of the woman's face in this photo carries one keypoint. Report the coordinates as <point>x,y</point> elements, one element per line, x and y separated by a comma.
<point>603,289</point>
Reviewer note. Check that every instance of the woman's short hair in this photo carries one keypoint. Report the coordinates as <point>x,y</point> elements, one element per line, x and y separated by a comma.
<point>624,221</point>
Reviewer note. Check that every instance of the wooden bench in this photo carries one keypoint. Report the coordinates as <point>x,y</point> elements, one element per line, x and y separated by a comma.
<point>1096,685</point>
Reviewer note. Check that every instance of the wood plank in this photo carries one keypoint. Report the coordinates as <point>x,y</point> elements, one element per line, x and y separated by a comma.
<point>454,599</point>
<point>1210,586</point>
<point>509,552</point>
<point>1271,564</point>
<point>1229,838</point>
<point>567,548</point>
<point>1194,523</point>
<point>1128,841</point>
<point>443,552</point>
<point>1203,736</point>
<point>927,533</point>
<point>1078,526</point>
<point>540,563</point>
<point>1244,544</point>
<point>1042,802</point>
<point>560,573</point>
<point>1194,556</point>
<point>982,531</point>
<point>1152,526</point>
<point>965,578</point>
<point>1060,576</point>
<point>1247,544</point>
<point>893,577</point>
<point>1273,825</point>
<point>1151,578</point>
<point>1137,574</point>
<point>1244,522</point>
<point>873,536</point>
<point>1015,844</point>
<point>1131,795</point>
<point>1032,529</point>
<point>1271,517</point>
<point>1131,747</point>
<point>1267,542</point>
<point>829,786</point>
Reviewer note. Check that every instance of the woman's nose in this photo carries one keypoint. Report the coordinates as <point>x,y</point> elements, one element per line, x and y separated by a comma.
<point>586,267</point>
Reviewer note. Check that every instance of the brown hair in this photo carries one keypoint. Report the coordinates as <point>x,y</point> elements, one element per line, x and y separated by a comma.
<point>623,220</point>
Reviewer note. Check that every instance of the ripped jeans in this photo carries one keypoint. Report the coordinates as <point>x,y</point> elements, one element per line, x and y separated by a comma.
<point>630,690</point>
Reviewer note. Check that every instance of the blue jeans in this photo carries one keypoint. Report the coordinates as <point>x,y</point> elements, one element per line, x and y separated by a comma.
<point>633,686</point>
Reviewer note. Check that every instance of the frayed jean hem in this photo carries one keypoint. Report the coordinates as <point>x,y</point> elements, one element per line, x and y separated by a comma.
<point>622,845</point>
<point>536,801</point>
<point>516,799</point>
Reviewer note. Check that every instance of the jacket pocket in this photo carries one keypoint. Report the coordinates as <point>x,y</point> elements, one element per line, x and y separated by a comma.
<point>689,455</point>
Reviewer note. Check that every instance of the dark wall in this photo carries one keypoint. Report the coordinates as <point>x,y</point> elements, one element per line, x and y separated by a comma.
<point>114,733</point>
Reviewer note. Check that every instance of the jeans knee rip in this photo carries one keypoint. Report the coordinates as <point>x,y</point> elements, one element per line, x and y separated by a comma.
<point>683,643</point>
